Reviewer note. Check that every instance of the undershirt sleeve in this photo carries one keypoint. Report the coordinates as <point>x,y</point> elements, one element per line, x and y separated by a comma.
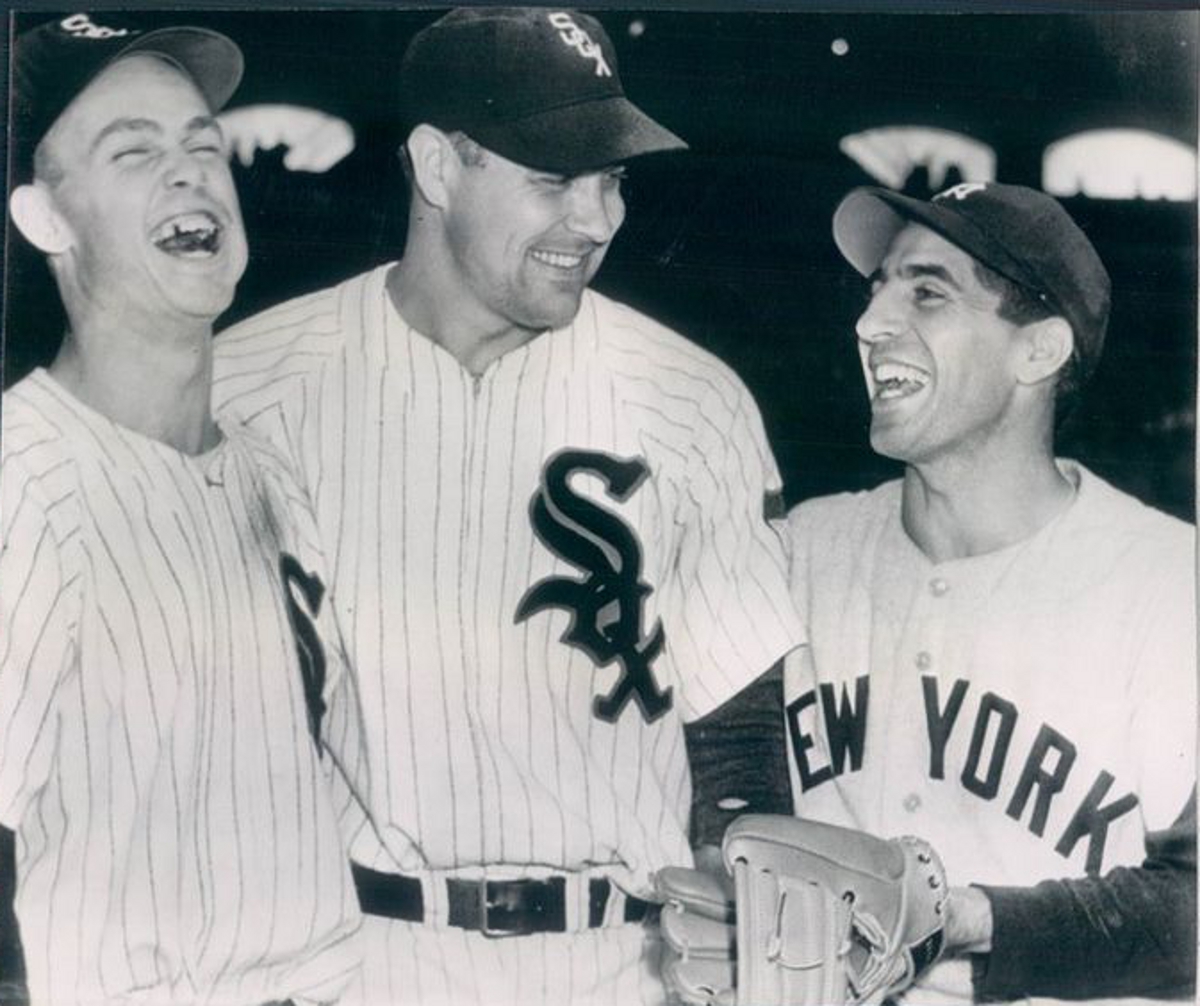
<point>1130,932</point>
<point>737,755</point>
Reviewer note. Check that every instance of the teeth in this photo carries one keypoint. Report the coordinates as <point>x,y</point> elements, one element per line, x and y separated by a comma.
<point>560,260</point>
<point>188,233</point>
<point>894,380</point>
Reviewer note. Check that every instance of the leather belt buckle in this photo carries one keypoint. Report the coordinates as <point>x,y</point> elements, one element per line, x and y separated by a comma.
<point>521,907</point>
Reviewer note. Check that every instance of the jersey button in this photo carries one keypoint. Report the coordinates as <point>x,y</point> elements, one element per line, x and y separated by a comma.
<point>912,802</point>
<point>938,586</point>
<point>924,660</point>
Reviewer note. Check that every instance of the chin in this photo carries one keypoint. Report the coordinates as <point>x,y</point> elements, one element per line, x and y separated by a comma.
<point>553,317</point>
<point>204,306</point>
<point>890,443</point>
<point>550,305</point>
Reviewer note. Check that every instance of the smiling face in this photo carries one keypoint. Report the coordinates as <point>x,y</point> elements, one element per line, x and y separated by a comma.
<point>938,360</point>
<point>143,184</point>
<point>527,243</point>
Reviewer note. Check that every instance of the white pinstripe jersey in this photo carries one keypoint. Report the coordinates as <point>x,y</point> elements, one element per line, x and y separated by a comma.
<point>511,550</point>
<point>176,838</point>
<point>1031,711</point>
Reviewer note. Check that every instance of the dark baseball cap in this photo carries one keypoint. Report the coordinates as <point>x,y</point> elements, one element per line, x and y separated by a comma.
<point>55,61</point>
<point>1021,233</point>
<point>536,85</point>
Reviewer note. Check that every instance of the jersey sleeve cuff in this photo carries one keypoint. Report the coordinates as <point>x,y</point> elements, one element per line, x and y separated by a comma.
<point>1023,935</point>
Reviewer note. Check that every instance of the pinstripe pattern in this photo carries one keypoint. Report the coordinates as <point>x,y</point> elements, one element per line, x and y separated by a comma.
<point>480,732</point>
<point>176,837</point>
<point>599,968</point>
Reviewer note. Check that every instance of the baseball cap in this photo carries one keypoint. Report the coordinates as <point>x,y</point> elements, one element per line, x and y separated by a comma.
<point>1021,233</point>
<point>536,85</point>
<point>53,62</point>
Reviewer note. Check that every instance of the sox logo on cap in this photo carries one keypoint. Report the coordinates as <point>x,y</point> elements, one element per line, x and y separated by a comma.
<point>580,40</point>
<point>82,26</point>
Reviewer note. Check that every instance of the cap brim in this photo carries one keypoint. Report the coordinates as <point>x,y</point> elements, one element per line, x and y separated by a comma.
<point>867,220</point>
<point>580,137</point>
<point>213,61</point>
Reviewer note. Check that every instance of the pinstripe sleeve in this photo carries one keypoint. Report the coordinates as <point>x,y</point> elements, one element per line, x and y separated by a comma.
<point>37,645</point>
<point>345,756</point>
<point>735,602</point>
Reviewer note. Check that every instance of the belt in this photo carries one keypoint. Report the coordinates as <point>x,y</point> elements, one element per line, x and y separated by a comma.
<point>492,907</point>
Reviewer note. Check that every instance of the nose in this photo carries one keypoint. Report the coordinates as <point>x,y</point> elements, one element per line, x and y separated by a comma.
<point>597,209</point>
<point>185,169</point>
<point>880,320</point>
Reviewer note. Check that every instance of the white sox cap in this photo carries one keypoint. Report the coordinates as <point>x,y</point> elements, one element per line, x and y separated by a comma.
<point>537,86</point>
<point>53,62</point>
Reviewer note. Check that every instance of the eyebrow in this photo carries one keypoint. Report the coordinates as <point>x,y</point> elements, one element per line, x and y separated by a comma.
<point>916,270</point>
<point>134,125</point>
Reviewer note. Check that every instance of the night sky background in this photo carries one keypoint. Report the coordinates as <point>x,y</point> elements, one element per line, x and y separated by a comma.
<point>730,243</point>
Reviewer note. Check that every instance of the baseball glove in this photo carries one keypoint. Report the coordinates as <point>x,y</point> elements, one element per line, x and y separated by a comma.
<point>821,915</point>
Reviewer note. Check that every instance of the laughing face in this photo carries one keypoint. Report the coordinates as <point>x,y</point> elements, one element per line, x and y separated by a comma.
<point>147,195</point>
<point>527,243</point>
<point>938,360</point>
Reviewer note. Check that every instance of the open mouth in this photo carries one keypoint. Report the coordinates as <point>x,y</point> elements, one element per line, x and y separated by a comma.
<point>894,380</point>
<point>189,235</point>
<point>557,260</point>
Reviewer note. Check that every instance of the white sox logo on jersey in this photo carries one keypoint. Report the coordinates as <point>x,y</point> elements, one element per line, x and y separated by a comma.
<point>1042,777</point>
<point>606,604</point>
<point>303,593</point>
<point>580,41</point>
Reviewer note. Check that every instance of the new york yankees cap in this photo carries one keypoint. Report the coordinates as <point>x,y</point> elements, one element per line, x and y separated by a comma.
<point>1021,233</point>
<point>55,61</point>
<point>536,85</point>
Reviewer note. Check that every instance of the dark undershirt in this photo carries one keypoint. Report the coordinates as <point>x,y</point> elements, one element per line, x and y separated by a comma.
<point>12,965</point>
<point>738,752</point>
<point>1130,932</point>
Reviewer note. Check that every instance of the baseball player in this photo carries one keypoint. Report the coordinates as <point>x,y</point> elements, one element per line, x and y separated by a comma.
<point>1002,653</point>
<point>545,518</point>
<point>171,688</point>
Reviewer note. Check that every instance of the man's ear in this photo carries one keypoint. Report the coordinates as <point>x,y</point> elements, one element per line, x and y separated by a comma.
<point>1046,346</point>
<point>434,164</point>
<point>33,211</point>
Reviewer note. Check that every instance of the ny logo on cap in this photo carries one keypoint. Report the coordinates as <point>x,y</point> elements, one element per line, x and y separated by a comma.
<point>81,26</point>
<point>579,40</point>
<point>961,191</point>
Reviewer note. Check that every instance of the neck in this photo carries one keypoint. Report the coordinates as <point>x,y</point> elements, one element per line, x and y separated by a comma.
<point>424,289</point>
<point>155,383</point>
<point>967,507</point>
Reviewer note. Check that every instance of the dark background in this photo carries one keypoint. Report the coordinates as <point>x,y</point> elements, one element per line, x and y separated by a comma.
<point>730,243</point>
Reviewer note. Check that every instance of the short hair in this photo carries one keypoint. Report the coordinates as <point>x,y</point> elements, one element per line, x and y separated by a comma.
<point>1021,305</point>
<point>47,168</point>
<point>470,153</point>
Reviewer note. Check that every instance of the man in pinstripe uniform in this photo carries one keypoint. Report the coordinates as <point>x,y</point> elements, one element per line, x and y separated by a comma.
<point>170,686</point>
<point>545,518</point>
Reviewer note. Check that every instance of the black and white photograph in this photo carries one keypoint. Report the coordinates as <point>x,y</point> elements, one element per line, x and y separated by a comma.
<point>686,505</point>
